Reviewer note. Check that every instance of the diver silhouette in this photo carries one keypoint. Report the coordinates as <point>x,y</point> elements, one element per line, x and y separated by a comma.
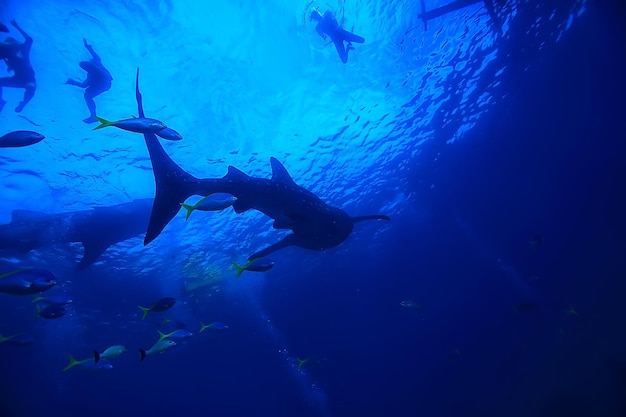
<point>97,82</point>
<point>16,57</point>
<point>327,26</point>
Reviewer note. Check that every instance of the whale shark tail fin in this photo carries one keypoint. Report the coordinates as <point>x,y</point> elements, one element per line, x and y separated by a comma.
<point>173,184</point>
<point>173,187</point>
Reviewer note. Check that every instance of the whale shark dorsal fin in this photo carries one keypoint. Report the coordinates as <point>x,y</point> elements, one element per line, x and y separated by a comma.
<point>234,173</point>
<point>279,172</point>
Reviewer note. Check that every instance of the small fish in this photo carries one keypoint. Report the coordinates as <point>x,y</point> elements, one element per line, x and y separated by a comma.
<point>27,281</point>
<point>161,305</point>
<point>57,300</point>
<point>51,312</point>
<point>217,326</point>
<point>212,202</point>
<point>4,339</point>
<point>526,306</point>
<point>536,241</point>
<point>311,360</point>
<point>411,304</point>
<point>179,335</point>
<point>302,362</point>
<point>109,353</point>
<point>169,134</point>
<point>20,138</point>
<point>88,364</point>
<point>74,362</point>
<point>135,124</point>
<point>454,354</point>
<point>255,265</point>
<point>21,340</point>
<point>97,367</point>
<point>158,348</point>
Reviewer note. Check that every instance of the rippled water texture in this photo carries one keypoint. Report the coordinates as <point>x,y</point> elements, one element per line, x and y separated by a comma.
<point>246,82</point>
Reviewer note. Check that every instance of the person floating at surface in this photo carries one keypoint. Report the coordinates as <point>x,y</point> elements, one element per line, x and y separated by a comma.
<point>16,57</point>
<point>327,25</point>
<point>97,82</point>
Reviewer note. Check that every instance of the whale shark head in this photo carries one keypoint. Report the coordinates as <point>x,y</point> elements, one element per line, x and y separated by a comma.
<point>325,231</point>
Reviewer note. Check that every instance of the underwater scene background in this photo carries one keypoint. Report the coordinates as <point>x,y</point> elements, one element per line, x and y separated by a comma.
<point>492,137</point>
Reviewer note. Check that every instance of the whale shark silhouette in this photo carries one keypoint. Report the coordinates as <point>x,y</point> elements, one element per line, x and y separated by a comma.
<point>96,229</point>
<point>314,224</point>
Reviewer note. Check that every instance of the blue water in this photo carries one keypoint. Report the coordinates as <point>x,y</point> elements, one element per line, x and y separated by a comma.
<point>473,140</point>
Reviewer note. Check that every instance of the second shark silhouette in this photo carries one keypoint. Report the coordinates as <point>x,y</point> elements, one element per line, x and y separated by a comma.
<point>96,229</point>
<point>314,224</point>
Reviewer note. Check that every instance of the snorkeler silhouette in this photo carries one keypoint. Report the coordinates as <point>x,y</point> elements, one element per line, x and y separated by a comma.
<point>97,82</point>
<point>327,25</point>
<point>16,58</point>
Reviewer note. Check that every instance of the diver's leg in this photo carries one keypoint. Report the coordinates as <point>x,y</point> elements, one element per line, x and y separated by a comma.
<point>71,81</point>
<point>3,82</point>
<point>343,54</point>
<point>29,93</point>
<point>91,92</point>
<point>91,105</point>
<point>351,37</point>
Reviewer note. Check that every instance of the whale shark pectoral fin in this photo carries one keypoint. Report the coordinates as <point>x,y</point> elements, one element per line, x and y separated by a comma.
<point>288,240</point>
<point>371,217</point>
<point>279,172</point>
<point>92,251</point>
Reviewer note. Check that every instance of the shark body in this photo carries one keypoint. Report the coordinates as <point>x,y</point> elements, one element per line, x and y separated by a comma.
<point>314,224</point>
<point>96,229</point>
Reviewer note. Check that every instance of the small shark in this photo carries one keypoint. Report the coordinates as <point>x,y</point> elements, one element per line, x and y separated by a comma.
<point>96,229</point>
<point>314,224</point>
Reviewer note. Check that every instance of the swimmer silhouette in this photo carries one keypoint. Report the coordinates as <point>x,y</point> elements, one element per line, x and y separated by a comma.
<point>97,82</point>
<point>327,26</point>
<point>16,57</point>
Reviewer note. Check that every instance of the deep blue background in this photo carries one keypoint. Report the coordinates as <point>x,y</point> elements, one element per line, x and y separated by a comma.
<point>548,159</point>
